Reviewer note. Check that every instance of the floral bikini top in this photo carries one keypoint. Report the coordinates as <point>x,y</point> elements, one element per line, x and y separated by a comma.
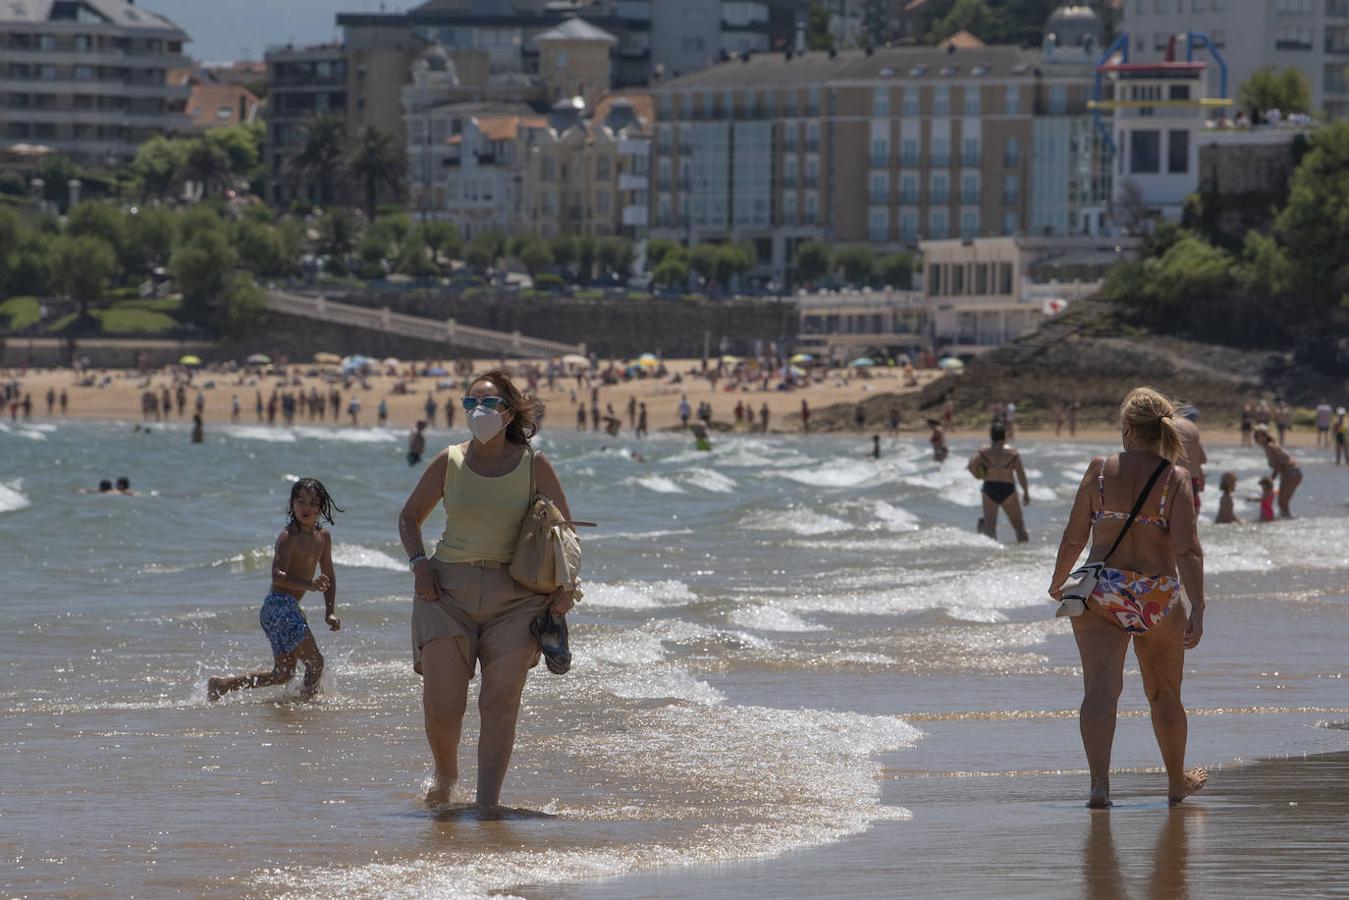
<point>1160,520</point>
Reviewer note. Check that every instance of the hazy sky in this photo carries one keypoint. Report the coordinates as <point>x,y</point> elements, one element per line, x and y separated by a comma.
<point>243,29</point>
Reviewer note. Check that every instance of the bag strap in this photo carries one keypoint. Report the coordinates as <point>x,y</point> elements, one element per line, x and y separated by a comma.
<point>533,458</point>
<point>1138,505</point>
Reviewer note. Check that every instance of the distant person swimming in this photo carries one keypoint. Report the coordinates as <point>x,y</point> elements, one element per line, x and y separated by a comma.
<point>938,440</point>
<point>996,466</point>
<point>302,546</point>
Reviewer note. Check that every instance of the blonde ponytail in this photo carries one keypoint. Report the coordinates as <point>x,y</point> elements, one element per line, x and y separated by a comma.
<point>1150,416</point>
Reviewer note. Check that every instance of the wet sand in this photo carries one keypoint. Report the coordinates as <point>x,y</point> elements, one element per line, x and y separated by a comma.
<point>1274,828</point>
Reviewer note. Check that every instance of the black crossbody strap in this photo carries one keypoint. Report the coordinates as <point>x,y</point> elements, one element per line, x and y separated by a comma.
<point>1133,513</point>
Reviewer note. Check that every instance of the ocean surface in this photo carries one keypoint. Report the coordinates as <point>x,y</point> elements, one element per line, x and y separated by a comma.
<point>778,636</point>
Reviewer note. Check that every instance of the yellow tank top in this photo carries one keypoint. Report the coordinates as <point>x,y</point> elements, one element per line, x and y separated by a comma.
<point>482,515</point>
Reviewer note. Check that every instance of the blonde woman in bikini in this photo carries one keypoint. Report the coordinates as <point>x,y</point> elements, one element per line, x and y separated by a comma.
<point>996,466</point>
<point>1138,597</point>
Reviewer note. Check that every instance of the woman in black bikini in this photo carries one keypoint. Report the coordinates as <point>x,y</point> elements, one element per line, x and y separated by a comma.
<point>997,465</point>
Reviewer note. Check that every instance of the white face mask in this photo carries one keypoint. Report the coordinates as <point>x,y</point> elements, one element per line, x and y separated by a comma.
<point>484,423</point>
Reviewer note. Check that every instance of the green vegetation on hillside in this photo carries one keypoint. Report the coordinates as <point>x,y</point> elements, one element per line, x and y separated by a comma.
<point>1287,287</point>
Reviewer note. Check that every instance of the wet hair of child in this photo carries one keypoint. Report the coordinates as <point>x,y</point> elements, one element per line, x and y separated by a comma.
<point>325,501</point>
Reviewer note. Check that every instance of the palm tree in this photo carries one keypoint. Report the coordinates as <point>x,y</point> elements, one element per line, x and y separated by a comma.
<point>207,165</point>
<point>376,160</point>
<point>319,159</point>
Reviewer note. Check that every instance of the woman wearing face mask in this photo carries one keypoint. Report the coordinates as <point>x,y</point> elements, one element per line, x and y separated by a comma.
<point>467,610</point>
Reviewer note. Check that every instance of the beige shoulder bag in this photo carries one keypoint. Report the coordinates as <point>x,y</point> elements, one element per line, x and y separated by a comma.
<point>548,552</point>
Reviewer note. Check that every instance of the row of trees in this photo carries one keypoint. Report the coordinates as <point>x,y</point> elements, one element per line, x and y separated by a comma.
<point>1285,286</point>
<point>856,264</point>
<point>671,263</point>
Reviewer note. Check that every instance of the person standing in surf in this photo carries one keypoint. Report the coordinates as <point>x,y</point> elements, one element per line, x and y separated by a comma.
<point>1283,468</point>
<point>996,466</point>
<point>1137,511</point>
<point>468,613</point>
<point>303,545</point>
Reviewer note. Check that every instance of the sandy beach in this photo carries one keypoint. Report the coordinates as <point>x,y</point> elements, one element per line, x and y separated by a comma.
<point>117,397</point>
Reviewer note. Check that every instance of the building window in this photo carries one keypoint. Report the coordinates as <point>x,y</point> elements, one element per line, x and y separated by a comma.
<point>1178,152</point>
<point>911,101</point>
<point>939,223</point>
<point>909,151</point>
<point>1011,153</point>
<point>969,151</point>
<point>969,223</point>
<point>880,103</point>
<point>1145,152</point>
<point>941,151</point>
<point>941,100</point>
<point>880,188</point>
<point>789,214</point>
<point>1011,190</point>
<point>908,225</point>
<point>789,137</point>
<point>811,208</point>
<point>812,172</point>
<point>1012,104</point>
<point>941,188</point>
<point>878,225</point>
<point>908,188</point>
<point>972,104</point>
<point>789,168</point>
<point>602,166</point>
<point>812,136</point>
<point>880,152</point>
<point>1010,223</point>
<point>1058,99</point>
<point>969,187</point>
<point>601,202</point>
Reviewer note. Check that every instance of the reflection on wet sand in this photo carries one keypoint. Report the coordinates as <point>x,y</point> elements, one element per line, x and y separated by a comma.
<point>1169,875</point>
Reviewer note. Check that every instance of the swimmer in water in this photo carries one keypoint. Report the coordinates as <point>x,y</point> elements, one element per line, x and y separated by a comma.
<point>302,546</point>
<point>1227,513</point>
<point>938,440</point>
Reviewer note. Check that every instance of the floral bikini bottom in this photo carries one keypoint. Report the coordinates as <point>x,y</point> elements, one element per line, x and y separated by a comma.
<point>1137,601</point>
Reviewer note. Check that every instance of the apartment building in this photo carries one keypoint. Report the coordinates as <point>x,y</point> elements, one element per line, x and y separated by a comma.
<point>1309,35</point>
<point>842,325</point>
<point>588,175</point>
<point>885,147</point>
<point>89,78</point>
<point>302,82</point>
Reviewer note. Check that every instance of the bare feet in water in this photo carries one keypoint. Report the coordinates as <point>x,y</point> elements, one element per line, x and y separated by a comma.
<point>1195,779</point>
<point>1099,799</point>
<point>439,793</point>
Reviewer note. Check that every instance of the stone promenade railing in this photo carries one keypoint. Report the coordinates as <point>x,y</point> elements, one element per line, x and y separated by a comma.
<point>497,343</point>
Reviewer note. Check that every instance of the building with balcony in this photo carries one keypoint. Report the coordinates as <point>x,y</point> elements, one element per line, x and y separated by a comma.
<point>302,82</point>
<point>886,147</point>
<point>1309,35</point>
<point>586,173</point>
<point>89,78</point>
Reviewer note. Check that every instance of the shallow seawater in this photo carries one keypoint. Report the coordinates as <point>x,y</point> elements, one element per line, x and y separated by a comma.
<point>771,631</point>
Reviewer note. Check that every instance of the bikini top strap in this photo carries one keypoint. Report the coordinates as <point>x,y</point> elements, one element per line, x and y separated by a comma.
<point>1138,506</point>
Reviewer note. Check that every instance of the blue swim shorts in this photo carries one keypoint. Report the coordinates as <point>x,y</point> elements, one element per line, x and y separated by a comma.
<point>283,622</point>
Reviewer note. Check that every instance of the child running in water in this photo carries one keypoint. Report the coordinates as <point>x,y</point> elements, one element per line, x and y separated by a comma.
<point>1227,513</point>
<point>302,545</point>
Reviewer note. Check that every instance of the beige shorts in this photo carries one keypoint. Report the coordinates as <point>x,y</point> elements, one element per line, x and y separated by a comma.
<point>485,609</point>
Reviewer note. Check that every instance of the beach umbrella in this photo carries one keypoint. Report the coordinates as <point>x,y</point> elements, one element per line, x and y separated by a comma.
<point>803,358</point>
<point>575,359</point>
<point>862,362</point>
<point>437,371</point>
<point>190,360</point>
<point>793,371</point>
<point>951,363</point>
<point>327,359</point>
<point>648,361</point>
<point>1053,306</point>
<point>258,359</point>
<point>357,363</point>
<point>730,360</point>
